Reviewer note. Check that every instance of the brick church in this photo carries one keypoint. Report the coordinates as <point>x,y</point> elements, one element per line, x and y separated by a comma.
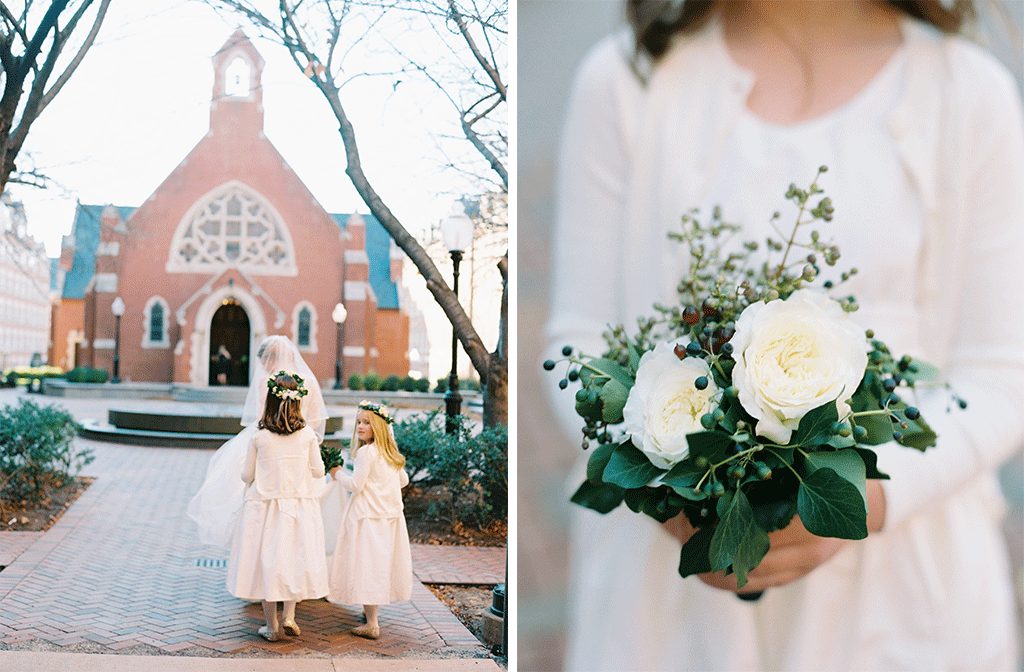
<point>230,248</point>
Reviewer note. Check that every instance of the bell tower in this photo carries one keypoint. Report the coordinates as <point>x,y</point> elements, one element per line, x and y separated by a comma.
<point>237,104</point>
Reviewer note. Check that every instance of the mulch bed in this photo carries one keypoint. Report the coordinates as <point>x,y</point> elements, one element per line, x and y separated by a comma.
<point>21,516</point>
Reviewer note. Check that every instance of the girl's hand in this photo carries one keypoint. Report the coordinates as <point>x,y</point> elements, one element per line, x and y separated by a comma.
<point>794,551</point>
<point>334,472</point>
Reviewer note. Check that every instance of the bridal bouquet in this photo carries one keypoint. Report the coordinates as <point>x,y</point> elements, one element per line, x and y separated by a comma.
<point>754,399</point>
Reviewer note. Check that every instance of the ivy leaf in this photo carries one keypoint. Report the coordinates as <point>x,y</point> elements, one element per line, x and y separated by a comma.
<point>738,540</point>
<point>693,557</point>
<point>682,477</point>
<point>629,468</point>
<point>831,506</point>
<point>601,497</point>
<point>614,395</point>
<point>871,464</point>
<point>602,367</point>
<point>598,461</point>
<point>712,445</point>
<point>847,463</point>
<point>816,425</point>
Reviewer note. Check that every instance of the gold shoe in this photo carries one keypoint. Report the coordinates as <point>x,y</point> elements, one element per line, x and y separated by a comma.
<point>268,634</point>
<point>367,631</point>
<point>291,628</point>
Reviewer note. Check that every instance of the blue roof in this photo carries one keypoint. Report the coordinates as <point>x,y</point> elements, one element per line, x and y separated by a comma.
<point>378,249</point>
<point>86,231</point>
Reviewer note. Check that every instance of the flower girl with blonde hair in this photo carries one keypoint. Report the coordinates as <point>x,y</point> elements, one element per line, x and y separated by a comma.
<point>372,562</point>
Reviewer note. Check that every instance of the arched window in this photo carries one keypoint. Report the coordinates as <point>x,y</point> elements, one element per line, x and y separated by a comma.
<point>232,227</point>
<point>303,333</point>
<point>155,324</point>
<point>237,78</point>
<point>304,326</point>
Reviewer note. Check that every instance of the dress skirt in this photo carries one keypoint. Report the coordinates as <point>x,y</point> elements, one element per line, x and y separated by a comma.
<point>278,551</point>
<point>372,561</point>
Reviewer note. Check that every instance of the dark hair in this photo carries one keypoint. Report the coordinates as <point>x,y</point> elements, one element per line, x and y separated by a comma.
<point>282,416</point>
<point>655,22</point>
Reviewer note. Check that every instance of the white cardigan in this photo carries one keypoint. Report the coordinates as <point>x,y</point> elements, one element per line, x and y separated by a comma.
<point>635,157</point>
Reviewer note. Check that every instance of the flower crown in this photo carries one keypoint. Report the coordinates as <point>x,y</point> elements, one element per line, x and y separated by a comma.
<point>380,409</point>
<point>282,392</point>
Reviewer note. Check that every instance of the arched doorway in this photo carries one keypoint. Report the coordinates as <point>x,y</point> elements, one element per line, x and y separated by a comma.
<point>230,328</point>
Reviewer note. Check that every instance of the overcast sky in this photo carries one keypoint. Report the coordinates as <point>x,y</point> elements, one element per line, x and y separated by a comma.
<point>140,101</point>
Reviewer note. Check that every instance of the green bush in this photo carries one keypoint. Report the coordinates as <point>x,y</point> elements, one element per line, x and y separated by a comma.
<point>31,376</point>
<point>36,450</point>
<point>372,382</point>
<point>391,384</point>
<point>355,381</point>
<point>85,374</point>
<point>473,469</point>
<point>97,376</point>
<point>422,385</point>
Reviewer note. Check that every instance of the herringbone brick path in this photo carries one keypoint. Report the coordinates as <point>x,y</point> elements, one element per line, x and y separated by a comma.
<point>123,567</point>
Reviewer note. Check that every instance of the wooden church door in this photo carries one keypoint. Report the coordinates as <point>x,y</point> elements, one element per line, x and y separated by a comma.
<point>229,345</point>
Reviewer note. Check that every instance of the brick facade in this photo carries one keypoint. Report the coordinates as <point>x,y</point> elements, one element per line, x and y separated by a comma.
<point>230,248</point>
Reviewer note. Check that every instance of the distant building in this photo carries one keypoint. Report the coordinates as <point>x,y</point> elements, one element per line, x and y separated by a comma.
<point>24,291</point>
<point>230,248</point>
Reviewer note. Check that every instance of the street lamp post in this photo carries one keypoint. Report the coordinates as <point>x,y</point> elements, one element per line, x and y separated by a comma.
<point>457,233</point>
<point>339,316</point>
<point>117,308</point>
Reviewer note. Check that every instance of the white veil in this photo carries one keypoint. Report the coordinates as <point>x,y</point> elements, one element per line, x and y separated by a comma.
<point>214,508</point>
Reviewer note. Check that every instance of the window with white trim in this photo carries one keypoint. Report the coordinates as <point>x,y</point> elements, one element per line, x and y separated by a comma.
<point>304,326</point>
<point>155,323</point>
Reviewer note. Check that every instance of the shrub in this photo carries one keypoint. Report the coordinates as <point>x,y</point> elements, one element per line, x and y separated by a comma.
<point>422,385</point>
<point>97,376</point>
<point>473,469</point>
<point>85,374</point>
<point>355,381</point>
<point>372,382</point>
<point>391,384</point>
<point>36,450</point>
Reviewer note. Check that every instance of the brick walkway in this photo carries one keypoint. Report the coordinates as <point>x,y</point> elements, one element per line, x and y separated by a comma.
<point>123,568</point>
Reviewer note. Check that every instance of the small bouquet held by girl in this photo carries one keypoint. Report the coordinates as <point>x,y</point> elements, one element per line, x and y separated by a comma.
<point>754,400</point>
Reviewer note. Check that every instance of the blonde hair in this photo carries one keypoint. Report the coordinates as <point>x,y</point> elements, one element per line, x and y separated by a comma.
<point>382,437</point>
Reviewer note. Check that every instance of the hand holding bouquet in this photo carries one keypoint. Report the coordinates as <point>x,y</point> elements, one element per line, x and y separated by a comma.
<point>755,399</point>
<point>331,456</point>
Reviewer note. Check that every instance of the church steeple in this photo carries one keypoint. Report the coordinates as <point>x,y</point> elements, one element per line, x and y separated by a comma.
<point>237,105</point>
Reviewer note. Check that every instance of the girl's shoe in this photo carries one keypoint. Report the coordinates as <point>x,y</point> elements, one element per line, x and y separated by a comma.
<point>367,631</point>
<point>268,634</point>
<point>291,628</point>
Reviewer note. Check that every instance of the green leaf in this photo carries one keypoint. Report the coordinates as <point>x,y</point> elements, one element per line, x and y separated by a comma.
<point>846,463</point>
<point>598,461</point>
<point>738,540</point>
<point>871,464</point>
<point>682,477</point>
<point>816,425</point>
<point>601,497</point>
<point>629,467</point>
<point>712,445</point>
<point>606,369</point>
<point>831,506</point>
<point>693,556</point>
<point>613,395</point>
<point>919,435</point>
<point>920,371</point>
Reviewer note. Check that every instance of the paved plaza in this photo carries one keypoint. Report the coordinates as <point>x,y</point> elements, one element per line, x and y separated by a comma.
<point>122,571</point>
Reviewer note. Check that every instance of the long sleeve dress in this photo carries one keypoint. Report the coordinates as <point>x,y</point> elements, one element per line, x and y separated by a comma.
<point>372,562</point>
<point>278,552</point>
<point>926,167</point>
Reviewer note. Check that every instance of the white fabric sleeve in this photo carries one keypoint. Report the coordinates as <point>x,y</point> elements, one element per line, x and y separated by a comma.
<point>249,468</point>
<point>360,472</point>
<point>987,364</point>
<point>591,188</point>
<point>316,463</point>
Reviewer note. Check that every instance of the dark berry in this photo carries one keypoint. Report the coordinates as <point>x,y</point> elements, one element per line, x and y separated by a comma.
<point>563,383</point>
<point>888,384</point>
<point>581,395</point>
<point>693,348</point>
<point>710,308</point>
<point>679,351</point>
<point>549,365</point>
<point>574,375</point>
<point>828,284</point>
<point>691,315</point>
<point>912,413</point>
<point>961,403</point>
<point>717,490</point>
<point>566,351</point>
<point>707,421</point>
<point>897,436</point>
<point>860,432</point>
<point>701,383</point>
<point>726,349</point>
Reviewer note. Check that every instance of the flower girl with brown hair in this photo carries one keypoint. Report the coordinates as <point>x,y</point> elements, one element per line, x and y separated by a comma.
<point>372,562</point>
<point>277,554</point>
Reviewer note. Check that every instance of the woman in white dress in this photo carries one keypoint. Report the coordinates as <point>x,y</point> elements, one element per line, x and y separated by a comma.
<point>727,103</point>
<point>277,554</point>
<point>215,507</point>
<point>372,562</point>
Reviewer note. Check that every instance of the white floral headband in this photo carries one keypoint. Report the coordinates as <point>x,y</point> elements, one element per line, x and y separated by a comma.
<point>378,409</point>
<point>282,392</point>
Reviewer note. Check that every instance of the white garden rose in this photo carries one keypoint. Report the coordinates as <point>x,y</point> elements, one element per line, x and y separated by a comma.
<point>664,405</point>
<point>793,356</point>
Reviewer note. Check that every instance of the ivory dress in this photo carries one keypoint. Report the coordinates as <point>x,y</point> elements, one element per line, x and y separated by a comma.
<point>372,561</point>
<point>926,167</point>
<point>277,552</point>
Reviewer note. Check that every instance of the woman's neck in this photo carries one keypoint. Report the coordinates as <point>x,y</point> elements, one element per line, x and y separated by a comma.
<point>808,57</point>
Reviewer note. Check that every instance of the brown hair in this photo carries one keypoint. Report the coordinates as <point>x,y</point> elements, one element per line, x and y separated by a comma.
<point>382,437</point>
<point>282,416</point>
<point>655,22</point>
